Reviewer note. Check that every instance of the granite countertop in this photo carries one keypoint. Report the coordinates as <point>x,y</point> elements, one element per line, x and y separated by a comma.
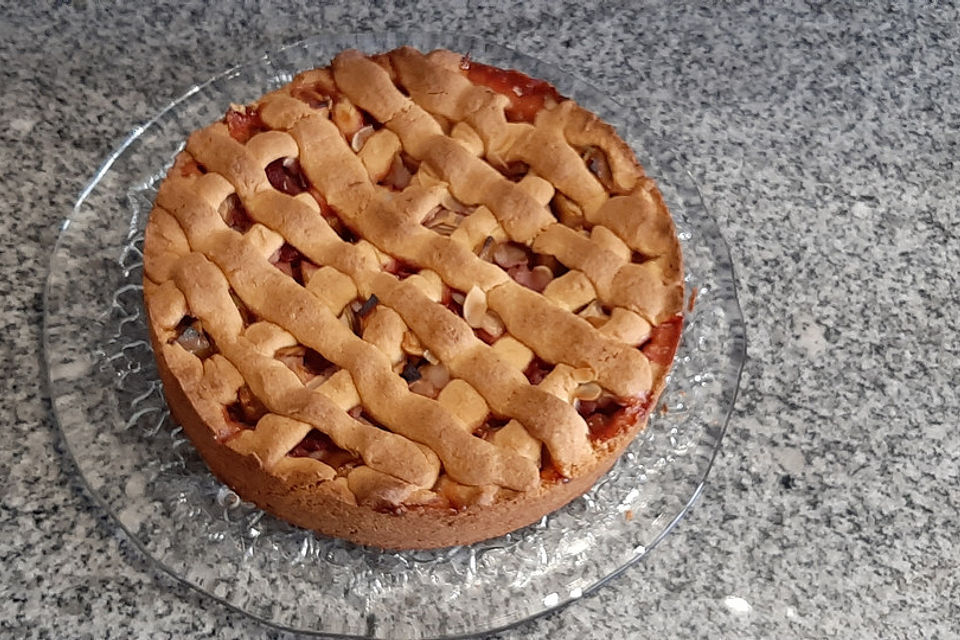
<point>825,141</point>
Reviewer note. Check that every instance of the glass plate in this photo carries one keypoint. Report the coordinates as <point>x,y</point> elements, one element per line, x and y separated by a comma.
<point>141,468</point>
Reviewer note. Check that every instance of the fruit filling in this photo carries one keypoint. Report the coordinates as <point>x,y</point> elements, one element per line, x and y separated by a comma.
<point>336,223</point>
<point>549,474</point>
<point>514,171</point>
<point>599,166</point>
<point>532,270</point>
<point>401,172</point>
<point>606,415</point>
<point>311,367</point>
<point>189,166</point>
<point>490,426</point>
<point>443,221</point>
<point>401,268</point>
<point>537,370</point>
<point>246,410</point>
<point>347,117</point>
<point>611,417</point>
<point>314,88</point>
<point>191,336</point>
<point>320,446</point>
<point>289,260</point>
<point>246,315</point>
<point>244,122</point>
<point>285,175</point>
<point>661,347</point>
<point>426,378</point>
<point>527,95</point>
<point>235,214</point>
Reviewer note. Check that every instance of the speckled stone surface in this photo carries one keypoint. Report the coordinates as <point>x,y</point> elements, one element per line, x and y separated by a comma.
<point>825,139</point>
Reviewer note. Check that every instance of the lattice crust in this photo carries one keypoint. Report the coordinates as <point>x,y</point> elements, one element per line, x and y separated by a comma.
<point>413,282</point>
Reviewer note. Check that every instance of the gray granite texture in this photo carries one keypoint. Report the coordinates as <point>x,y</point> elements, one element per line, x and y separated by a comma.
<point>825,136</point>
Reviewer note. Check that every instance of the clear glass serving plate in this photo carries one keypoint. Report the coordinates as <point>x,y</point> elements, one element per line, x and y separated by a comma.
<point>139,466</point>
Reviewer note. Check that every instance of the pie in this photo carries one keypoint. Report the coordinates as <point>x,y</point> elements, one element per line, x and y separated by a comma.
<point>411,300</point>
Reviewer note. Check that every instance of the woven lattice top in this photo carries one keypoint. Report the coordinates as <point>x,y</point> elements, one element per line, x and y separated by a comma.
<point>415,277</point>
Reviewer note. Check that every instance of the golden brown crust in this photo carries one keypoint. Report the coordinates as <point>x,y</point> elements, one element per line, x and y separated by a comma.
<point>292,375</point>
